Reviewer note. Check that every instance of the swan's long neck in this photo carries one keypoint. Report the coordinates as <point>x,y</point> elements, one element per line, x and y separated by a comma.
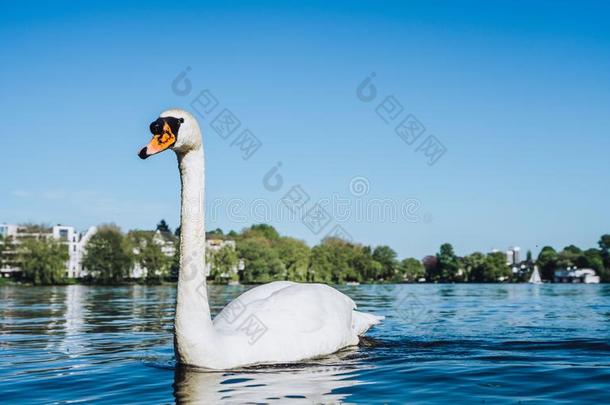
<point>193,323</point>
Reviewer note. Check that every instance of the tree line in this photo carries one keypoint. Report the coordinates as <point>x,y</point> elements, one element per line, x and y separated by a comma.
<point>268,256</point>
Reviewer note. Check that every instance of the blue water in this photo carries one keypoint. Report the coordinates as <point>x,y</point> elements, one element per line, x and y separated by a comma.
<point>439,343</point>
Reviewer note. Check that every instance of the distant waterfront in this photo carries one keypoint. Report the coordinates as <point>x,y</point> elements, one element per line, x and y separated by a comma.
<point>39,255</point>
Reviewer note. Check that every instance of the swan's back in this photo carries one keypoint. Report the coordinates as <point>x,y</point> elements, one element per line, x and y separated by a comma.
<point>285,322</point>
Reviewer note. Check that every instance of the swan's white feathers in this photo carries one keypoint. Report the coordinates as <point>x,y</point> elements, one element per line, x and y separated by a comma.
<point>300,321</point>
<point>280,306</point>
<point>263,291</point>
<point>292,321</point>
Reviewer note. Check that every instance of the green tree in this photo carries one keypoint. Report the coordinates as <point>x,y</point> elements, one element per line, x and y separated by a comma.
<point>604,245</point>
<point>433,273</point>
<point>489,268</point>
<point>215,234</point>
<point>448,264</point>
<point>223,264</point>
<point>591,259</point>
<point>496,268</point>
<point>332,261</point>
<point>294,254</point>
<point>547,263</point>
<point>320,264</point>
<point>411,270</point>
<point>262,246</point>
<point>368,269</point>
<point>163,227</point>
<point>354,255</point>
<point>261,262</point>
<point>386,256</point>
<point>149,255</point>
<point>475,267</point>
<point>594,259</point>
<point>263,231</point>
<point>174,267</point>
<point>108,259</point>
<point>569,256</point>
<point>43,261</point>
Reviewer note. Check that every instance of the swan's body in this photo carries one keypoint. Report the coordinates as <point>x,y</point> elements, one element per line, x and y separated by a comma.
<point>278,322</point>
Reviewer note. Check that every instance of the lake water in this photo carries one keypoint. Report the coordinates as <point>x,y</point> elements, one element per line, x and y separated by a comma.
<point>439,344</point>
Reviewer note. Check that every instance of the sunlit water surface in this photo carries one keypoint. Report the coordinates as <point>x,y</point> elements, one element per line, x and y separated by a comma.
<point>439,343</point>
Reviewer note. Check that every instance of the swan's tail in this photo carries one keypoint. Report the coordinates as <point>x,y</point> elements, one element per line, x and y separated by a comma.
<point>361,321</point>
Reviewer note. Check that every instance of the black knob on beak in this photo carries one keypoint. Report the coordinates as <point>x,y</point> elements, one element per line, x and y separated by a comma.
<point>156,127</point>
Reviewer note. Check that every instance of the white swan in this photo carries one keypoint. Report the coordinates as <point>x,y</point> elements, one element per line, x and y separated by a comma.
<point>279,322</point>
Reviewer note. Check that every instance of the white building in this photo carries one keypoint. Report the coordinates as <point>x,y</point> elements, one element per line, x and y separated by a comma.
<point>67,235</point>
<point>513,255</point>
<point>76,244</point>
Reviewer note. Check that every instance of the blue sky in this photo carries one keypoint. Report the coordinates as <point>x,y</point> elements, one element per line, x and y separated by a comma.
<point>517,92</point>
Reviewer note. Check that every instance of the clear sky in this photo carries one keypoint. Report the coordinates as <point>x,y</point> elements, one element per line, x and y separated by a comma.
<point>517,92</point>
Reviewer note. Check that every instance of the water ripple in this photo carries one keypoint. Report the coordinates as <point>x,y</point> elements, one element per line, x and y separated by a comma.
<point>438,344</point>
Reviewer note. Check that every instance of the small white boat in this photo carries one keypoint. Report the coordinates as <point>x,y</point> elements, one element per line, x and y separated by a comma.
<point>535,277</point>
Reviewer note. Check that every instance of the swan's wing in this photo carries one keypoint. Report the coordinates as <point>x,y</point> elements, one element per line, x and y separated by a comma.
<point>276,305</point>
<point>263,291</point>
<point>236,308</point>
<point>298,308</point>
<point>294,322</point>
<point>286,322</point>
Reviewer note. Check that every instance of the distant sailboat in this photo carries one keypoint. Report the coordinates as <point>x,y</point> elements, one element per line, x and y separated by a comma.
<point>535,277</point>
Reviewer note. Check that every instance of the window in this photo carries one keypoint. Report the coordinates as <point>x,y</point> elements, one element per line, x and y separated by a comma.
<point>63,234</point>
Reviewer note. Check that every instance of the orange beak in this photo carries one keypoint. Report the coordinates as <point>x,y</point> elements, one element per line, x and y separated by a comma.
<point>159,142</point>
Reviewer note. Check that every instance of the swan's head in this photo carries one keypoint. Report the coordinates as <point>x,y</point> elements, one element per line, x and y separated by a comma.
<point>174,129</point>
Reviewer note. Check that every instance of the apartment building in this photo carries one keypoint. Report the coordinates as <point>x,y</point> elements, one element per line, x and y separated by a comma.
<point>75,242</point>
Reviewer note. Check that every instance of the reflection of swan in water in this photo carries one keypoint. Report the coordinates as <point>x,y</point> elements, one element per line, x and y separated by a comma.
<point>307,384</point>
